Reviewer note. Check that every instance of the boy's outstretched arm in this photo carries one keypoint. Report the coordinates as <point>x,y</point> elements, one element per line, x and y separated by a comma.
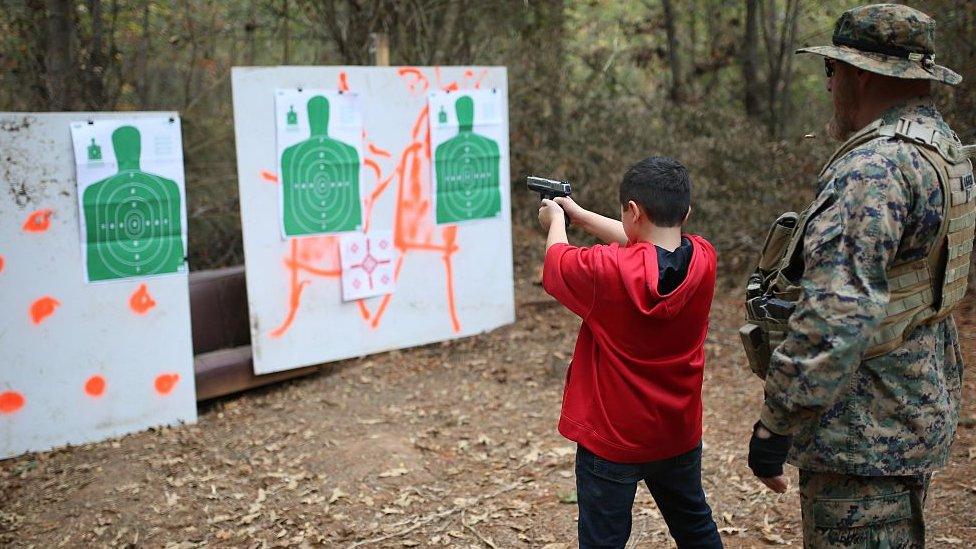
<point>606,229</point>
<point>551,217</point>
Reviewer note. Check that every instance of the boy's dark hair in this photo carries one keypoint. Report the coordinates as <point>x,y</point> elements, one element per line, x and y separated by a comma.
<point>661,186</point>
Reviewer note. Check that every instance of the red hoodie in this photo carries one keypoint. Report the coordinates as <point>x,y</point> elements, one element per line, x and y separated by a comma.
<point>633,389</point>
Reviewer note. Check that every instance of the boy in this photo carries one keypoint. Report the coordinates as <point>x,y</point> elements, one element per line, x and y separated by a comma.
<point>632,400</point>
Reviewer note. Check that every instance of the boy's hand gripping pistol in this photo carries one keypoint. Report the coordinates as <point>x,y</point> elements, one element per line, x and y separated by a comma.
<point>549,188</point>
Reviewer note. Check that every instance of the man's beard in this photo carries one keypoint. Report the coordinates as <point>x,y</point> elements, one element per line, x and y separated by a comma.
<point>841,124</point>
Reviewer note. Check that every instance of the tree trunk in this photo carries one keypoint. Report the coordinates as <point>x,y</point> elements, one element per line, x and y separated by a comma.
<point>677,92</point>
<point>144,58</point>
<point>58,59</point>
<point>250,28</point>
<point>95,71</point>
<point>286,39</point>
<point>750,60</point>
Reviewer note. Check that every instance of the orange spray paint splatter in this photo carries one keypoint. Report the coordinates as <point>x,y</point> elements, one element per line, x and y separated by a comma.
<point>39,221</point>
<point>10,402</point>
<point>379,152</point>
<point>166,382</point>
<point>417,82</point>
<point>269,177</point>
<point>43,308</point>
<point>343,81</point>
<point>141,301</point>
<point>95,386</point>
<point>1,263</point>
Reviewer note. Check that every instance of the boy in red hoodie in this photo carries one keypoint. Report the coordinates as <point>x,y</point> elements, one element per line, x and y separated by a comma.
<point>632,400</point>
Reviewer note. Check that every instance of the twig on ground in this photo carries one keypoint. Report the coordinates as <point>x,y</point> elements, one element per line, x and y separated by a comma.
<point>477,534</point>
<point>439,515</point>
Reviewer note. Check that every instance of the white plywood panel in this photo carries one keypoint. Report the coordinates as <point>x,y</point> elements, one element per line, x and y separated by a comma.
<point>452,280</point>
<point>78,362</point>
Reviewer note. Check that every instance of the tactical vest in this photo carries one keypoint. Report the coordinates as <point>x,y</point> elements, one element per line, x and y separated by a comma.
<point>922,291</point>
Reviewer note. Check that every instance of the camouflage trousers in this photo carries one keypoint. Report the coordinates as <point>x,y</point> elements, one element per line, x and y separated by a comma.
<point>854,511</point>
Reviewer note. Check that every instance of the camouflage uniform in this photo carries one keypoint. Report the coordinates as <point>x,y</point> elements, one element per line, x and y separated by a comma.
<point>868,433</point>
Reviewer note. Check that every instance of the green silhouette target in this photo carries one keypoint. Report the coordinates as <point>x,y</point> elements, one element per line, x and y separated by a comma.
<point>132,219</point>
<point>467,168</point>
<point>320,179</point>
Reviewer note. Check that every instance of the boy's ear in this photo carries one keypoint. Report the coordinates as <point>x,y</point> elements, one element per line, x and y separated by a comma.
<point>687,215</point>
<point>635,210</point>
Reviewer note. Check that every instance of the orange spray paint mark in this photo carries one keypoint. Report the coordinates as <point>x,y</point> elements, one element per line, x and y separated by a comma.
<point>269,177</point>
<point>43,308</point>
<point>141,301</point>
<point>449,235</point>
<point>371,164</point>
<point>417,82</point>
<point>10,402</point>
<point>343,81</point>
<point>95,386</point>
<point>379,152</point>
<point>39,221</point>
<point>481,76</point>
<point>166,382</point>
<point>295,291</point>
<point>363,309</point>
<point>1,263</point>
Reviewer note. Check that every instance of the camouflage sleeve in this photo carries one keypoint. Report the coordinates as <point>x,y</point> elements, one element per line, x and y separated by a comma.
<point>851,238</point>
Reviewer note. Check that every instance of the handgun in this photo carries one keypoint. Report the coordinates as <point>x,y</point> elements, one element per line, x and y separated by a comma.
<point>549,188</point>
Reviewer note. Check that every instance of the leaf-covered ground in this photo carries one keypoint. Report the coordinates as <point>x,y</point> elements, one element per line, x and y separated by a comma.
<point>446,445</point>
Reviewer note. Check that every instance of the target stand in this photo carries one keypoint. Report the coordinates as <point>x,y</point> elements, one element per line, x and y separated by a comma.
<point>132,218</point>
<point>320,180</point>
<point>467,172</point>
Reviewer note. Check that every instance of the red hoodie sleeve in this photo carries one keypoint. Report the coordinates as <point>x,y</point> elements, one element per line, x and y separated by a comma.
<point>568,276</point>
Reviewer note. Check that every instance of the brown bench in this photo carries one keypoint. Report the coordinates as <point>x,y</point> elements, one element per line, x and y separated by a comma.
<point>221,336</point>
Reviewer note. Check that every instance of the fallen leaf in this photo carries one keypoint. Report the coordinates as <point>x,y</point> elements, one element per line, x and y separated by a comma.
<point>398,472</point>
<point>336,494</point>
<point>568,497</point>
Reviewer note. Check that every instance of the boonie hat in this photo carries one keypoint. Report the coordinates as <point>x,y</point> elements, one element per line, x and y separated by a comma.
<point>889,39</point>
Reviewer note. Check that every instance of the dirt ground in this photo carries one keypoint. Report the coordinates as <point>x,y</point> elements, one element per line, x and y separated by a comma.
<point>450,444</point>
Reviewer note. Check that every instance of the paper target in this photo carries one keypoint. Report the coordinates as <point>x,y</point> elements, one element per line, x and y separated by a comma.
<point>319,175</point>
<point>466,157</point>
<point>132,220</point>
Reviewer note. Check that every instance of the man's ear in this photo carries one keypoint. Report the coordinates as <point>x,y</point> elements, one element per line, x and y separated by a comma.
<point>687,215</point>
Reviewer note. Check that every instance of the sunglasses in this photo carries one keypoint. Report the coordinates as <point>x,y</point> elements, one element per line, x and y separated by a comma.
<point>829,66</point>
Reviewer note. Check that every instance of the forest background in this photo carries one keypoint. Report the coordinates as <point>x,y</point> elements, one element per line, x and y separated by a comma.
<point>593,87</point>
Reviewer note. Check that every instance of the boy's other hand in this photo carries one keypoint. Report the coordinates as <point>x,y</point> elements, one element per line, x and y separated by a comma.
<point>550,212</point>
<point>573,210</point>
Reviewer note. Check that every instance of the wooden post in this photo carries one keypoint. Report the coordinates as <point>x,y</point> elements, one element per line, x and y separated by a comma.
<point>379,49</point>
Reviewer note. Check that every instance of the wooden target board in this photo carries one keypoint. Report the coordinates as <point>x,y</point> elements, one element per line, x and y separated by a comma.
<point>446,276</point>
<point>82,362</point>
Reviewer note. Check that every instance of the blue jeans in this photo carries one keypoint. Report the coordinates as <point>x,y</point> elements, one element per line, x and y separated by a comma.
<point>605,491</point>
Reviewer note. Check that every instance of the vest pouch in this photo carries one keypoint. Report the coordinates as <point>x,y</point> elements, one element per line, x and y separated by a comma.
<point>777,240</point>
<point>756,345</point>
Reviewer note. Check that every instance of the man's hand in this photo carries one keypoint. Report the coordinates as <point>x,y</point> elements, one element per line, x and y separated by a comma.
<point>549,213</point>
<point>767,454</point>
<point>573,210</point>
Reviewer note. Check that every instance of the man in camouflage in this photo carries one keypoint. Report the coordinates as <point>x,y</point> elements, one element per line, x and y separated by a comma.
<point>867,431</point>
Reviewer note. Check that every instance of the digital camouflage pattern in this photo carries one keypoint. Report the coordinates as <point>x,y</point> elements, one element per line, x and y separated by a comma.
<point>896,414</point>
<point>851,511</point>
<point>888,39</point>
